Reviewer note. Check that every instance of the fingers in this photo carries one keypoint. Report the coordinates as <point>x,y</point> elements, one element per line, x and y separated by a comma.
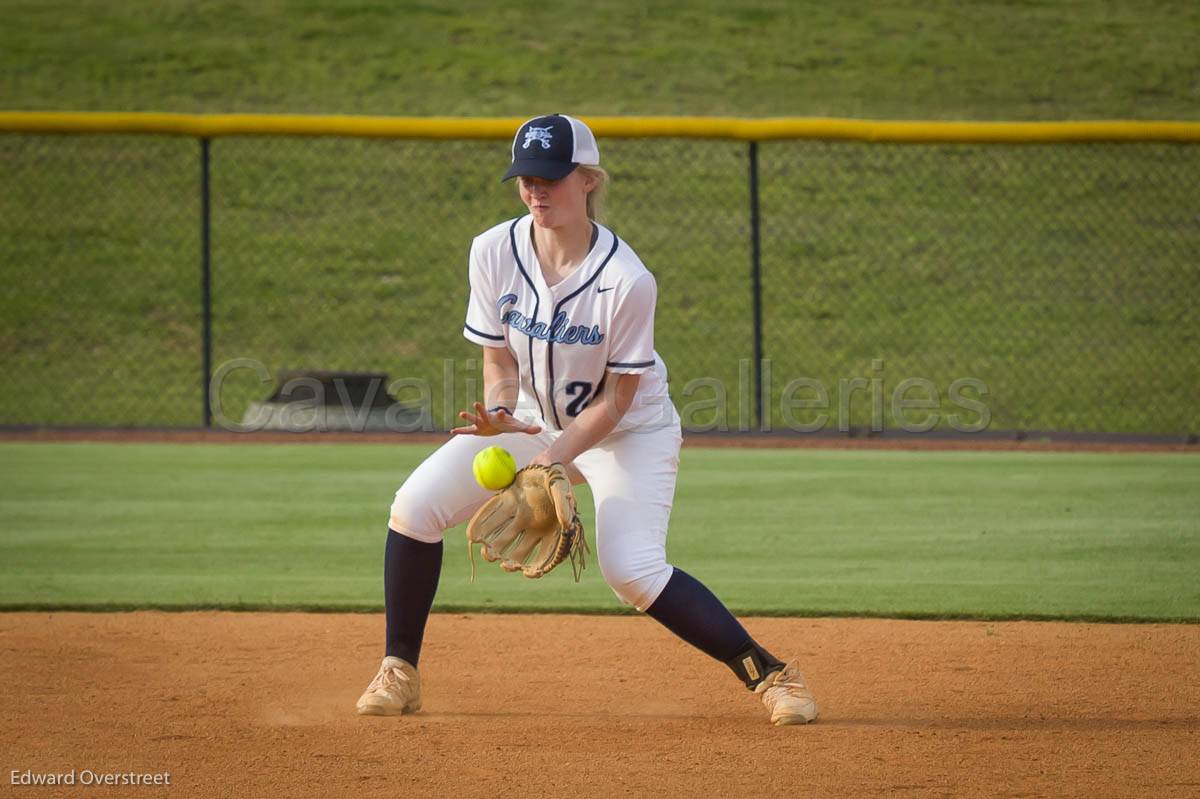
<point>503,420</point>
<point>513,424</point>
<point>484,423</point>
<point>467,430</point>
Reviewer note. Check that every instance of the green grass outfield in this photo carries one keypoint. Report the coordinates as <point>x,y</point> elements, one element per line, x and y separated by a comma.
<point>987,535</point>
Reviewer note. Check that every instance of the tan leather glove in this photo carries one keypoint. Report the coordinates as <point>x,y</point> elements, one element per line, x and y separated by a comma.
<point>531,526</point>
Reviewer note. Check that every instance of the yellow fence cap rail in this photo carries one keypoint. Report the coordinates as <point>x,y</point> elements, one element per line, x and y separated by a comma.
<point>892,131</point>
<point>729,128</point>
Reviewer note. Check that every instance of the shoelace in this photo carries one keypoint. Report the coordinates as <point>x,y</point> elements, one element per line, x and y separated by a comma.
<point>388,677</point>
<point>786,681</point>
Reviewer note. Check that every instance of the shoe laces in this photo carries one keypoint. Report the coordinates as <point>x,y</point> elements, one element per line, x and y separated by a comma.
<point>793,680</point>
<point>790,682</point>
<point>391,677</point>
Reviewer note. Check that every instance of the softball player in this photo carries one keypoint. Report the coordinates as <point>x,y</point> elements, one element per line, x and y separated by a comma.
<point>564,312</point>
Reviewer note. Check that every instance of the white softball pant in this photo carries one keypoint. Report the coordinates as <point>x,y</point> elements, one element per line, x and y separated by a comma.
<point>632,478</point>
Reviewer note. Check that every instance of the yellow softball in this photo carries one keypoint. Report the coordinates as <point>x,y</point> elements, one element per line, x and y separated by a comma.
<point>494,468</point>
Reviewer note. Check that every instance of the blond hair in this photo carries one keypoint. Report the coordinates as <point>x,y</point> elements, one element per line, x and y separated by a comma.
<point>595,198</point>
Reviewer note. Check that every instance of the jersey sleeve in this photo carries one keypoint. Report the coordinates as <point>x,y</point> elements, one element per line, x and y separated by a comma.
<point>632,330</point>
<point>483,324</point>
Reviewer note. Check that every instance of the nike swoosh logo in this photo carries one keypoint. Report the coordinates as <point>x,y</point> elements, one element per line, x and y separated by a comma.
<point>601,291</point>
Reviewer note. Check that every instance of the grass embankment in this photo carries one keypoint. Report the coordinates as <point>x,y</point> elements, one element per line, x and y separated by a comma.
<point>1064,278</point>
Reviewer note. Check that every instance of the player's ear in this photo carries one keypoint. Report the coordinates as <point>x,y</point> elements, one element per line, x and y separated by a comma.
<point>590,180</point>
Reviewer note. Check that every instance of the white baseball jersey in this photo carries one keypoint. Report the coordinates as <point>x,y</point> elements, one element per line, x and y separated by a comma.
<point>566,337</point>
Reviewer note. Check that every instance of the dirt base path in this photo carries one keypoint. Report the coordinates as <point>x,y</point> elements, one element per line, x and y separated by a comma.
<point>252,705</point>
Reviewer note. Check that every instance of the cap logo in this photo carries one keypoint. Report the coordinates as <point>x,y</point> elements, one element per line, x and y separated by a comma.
<point>540,135</point>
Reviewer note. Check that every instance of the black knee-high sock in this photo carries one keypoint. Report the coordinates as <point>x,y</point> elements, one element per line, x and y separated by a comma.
<point>411,570</point>
<point>688,609</point>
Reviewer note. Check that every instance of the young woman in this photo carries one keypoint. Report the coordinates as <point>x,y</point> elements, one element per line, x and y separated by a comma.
<point>564,311</point>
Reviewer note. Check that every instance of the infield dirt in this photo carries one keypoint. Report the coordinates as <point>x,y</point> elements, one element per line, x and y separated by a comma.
<point>262,704</point>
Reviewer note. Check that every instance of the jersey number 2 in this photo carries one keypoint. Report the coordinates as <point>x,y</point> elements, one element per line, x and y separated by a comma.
<point>581,391</point>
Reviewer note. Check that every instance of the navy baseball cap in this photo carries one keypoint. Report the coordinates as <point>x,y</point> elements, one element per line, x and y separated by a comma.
<point>551,147</point>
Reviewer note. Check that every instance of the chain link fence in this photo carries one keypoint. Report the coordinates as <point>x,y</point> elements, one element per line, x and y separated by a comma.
<point>913,287</point>
<point>1065,278</point>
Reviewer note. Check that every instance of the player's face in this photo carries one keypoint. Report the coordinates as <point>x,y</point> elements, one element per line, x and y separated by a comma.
<point>555,203</point>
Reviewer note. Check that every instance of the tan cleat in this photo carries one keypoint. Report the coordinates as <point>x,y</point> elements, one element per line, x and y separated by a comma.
<point>396,689</point>
<point>786,695</point>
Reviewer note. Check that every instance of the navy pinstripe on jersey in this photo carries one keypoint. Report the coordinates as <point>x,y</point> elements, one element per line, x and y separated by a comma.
<point>558,308</point>
<point>481,334</point>
<point>512,238</point>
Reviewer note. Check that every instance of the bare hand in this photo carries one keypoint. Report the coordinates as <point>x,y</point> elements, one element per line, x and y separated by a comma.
<point>484,423</point>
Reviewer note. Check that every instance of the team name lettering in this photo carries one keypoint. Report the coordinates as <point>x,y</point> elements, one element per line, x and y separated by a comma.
<point>560,330</point>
